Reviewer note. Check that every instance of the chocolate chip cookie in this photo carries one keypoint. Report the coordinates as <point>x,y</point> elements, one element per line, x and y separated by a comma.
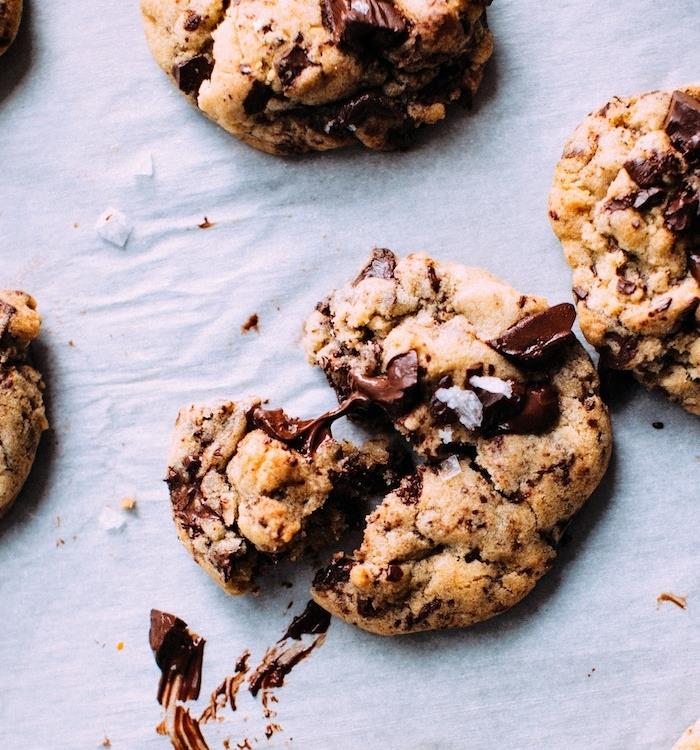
<point>10,17</point>
<point>307,75</point>
<point>22,417</point>
<point>690,739</point>
<point>626,206</point>
<point>502,404</point>
<point>250,486</point>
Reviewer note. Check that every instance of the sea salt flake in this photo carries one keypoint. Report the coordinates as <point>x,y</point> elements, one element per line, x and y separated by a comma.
<point>445,435</point>
<point>110,520</point>
<point>449,469</point>
<point>114,227</point>
<point>492,385</point>
<point>465,404</point>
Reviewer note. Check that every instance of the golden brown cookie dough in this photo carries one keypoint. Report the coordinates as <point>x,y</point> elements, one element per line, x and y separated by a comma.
<point>22,417</point>
<point>306,75</point>
<point>626,206</point>
<point>690,739</point>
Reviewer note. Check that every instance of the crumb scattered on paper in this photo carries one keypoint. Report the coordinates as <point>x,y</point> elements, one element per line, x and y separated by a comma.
<point>252,324</point>
<point>270,729</point>
<point>128,503</point>
<point>106,742</point>
<point>71,343</point>
<point>114,227</point>
<point>657,425</point>
<point>206,224</point>
<point>120,646</point>
<point>60,542</point>
<point>667,596</point>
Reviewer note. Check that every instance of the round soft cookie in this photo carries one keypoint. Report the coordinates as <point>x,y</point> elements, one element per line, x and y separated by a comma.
<point>626,206</point>
<point>501,402</point>
<point>22,416</point>
<point>250,486</point>
<point>307,75</point>
<point>10,17</point>
<point>690,739</point>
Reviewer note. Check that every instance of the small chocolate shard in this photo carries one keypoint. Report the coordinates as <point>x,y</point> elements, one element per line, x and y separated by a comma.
<point>539,411</point>
<point>683,123</point>
<point>580,293</point>
<point>621,204</point>
<point>365,607</point>
<point>395,389</point>
<point>292,65</point>
<point>257,98</point>
<point>655,171</point>
<point>625,286</point>
<point>190,75</point>
<point>649,197</point>
<point>312,621</point>
<point>535,336</point>
<point>365,25</point>
<point>337,572</point>
<point>380,266</point>
<point>681,213</point>
<point>179,654</point>
<point>394,573</point>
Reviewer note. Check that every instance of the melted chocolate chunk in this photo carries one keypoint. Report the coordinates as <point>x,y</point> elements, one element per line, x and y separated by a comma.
<point>190,75</point>
<point>257,98</point>
<point>312,621</point>
<point>626,349</point>
<point>365,25</point>
<point>649,198</point>
<point>683,123</point>
<point>293,64</point>
<point>394,573</point>
<point>534,337</point>
<point>681,213</point>
<point>178,654</point>
<point>694,265</point>
<point>394,390</point>
<point>355,112</point>
<point>657,170</point>
<point>381,266</point>
<point>539,411</point>
<point>337,572</point>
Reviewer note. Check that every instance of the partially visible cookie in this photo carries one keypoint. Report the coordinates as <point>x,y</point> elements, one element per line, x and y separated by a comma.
<point>690,739</point>
<point>306,75</point>
<point>250,486</point>
<point>626,206</point>
<point>22,417</point>
<point>10,17</point>
<point>492,389</point>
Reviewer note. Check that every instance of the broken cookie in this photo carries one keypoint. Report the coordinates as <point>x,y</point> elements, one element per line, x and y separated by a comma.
<point>250,486</point>
<point>499,399</point>
<point>22,416</point>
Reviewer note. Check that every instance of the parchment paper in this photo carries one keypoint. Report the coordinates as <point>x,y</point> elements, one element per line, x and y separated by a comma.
<point>587,661</point>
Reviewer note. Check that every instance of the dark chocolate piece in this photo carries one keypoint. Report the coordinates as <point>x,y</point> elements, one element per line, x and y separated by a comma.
<point>337,572</point>
<point>365,25</point>
<point>381,266</point>
<point>190,75</point>
<point>683,123</point>
<point>620,204</point>
<point>681,213</point>
<point>178,653</point>
<point>257,98</point>
<point>394,573</point>
<point>536,336</point>
<point>657,170</point>
<point>292,65</point>
<point>395,389</point>
<point>312,621</point>
<point>626,349</point>
<point>539,411</point>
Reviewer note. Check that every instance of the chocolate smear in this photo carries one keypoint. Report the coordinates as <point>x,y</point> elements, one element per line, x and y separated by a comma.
<point>292,65</point>
<point>312,621</point>
<point>394,390</point>
<point>683,123</point>
<point>625,286</point>
<point>365,25</point>
<point>178,653</point>
<point>535,336</point>
<point>257,98</point>
<point>227,691</point>
<point>192,73</point>
<point>380,266</point>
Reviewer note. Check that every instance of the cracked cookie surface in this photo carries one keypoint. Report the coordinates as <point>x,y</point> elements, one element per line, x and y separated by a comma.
<point>22,416</point>
<point>626,206</point>
<point>502,403</point>
<point>10,17</point>
<point>308,75</point>
<point>249,486</point>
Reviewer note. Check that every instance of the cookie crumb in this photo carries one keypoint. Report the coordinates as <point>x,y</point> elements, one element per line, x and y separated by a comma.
<point>665,596</point>
<point>60,542</point>
<point>252,324</point>
<point>206,224</point>
<point>270,729</point>
<point>71,343</point>
<point>114,227</point>
<point>106,742</point>
<point>657,425</point>
<point>120,646</point>
<point>128,503</point>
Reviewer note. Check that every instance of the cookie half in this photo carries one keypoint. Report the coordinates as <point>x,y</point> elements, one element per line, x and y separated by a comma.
<point>626,206</point>
<point>502,403</point>
<point>10,17</point>
<point>22,416</point>
<point>306,75</point>
<point>251,486</point>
